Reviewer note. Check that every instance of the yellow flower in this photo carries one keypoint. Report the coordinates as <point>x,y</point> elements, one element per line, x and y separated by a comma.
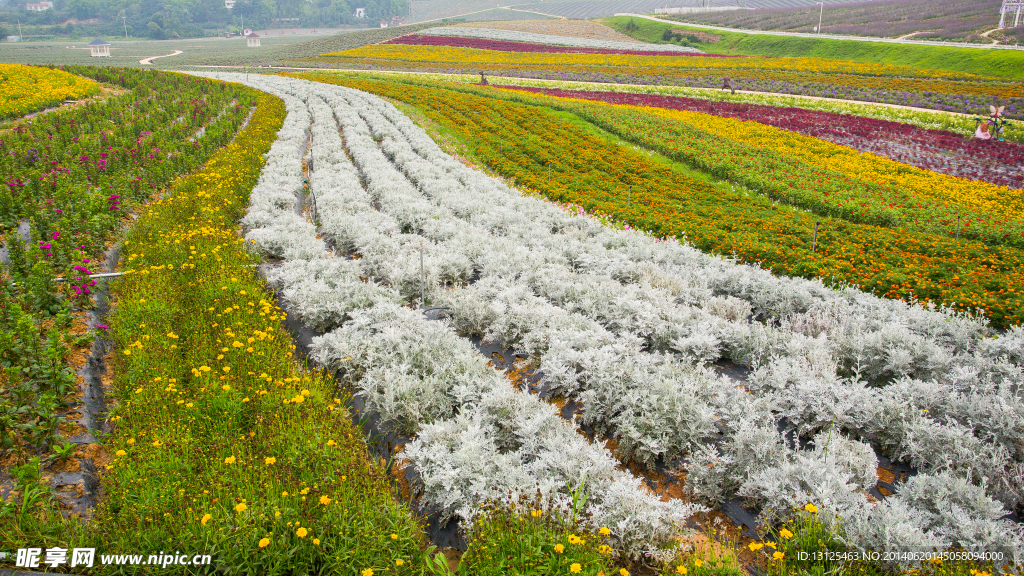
<point>120,453</point>
<point>229,460</point>
<point>264,542</point>
<point>316,541</point>
<point>206,518</point>
<point>785,534</point>
<point>301,532</point>
<point>559,548</point>
<point>157,443</point>
<point>131,441</point>
<point>285,493</point>
<point>331,443</point>
<point>399,562</point>
<point>777,556</point>
<point>623,572</point>
<point>605,531</point>
<point>755,546</point>
<point>536,513</point>
<point>698,562</point>
<point>575,568</point>
<point>681,569</point>
<point>367,572</point>
<point>394,536</point>
<point>270,460</point>
<point>811,508</point>
<point>240,507</point>
<point>325,500</point>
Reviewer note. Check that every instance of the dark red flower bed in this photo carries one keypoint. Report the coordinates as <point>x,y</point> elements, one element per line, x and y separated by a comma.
<point>937,150</point>
<point>506,46</point>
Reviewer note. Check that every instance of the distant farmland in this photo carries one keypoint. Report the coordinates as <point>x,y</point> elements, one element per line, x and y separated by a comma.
<point>932,19</point>
<point>436,9</point>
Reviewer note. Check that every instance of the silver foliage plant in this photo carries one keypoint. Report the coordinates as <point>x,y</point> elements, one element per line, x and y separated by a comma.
<point>418,375</point>
<point>628,325</point>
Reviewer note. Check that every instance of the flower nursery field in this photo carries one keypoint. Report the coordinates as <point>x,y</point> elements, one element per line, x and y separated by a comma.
<point>558,327</point>
<point>25,90</point>
<point>529,55</point>
<point>946,20</point>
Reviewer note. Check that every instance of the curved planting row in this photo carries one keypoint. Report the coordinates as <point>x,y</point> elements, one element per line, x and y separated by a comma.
<point>69,179</point>
<point>937,150</point>
<point>552,40</point>
<point>803,76</point>
<point>826,178</point>
<point>582,300</point>
<point>418,374</point>
<point>522,141</point>
<point>525,47</point>
<point>211,450</point>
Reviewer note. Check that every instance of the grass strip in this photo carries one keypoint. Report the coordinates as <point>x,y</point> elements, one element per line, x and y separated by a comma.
<point>222,444</point>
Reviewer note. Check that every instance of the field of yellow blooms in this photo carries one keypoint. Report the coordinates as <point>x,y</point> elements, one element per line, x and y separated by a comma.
<point>25,89</point>
<point>802,65</point>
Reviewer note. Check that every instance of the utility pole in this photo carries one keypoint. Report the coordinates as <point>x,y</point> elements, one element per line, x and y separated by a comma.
<point>20,35</point>
<point>124,20</point>
<point>820,14</point>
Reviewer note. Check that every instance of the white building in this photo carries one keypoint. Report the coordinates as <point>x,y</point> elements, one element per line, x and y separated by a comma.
<point>38,6</point>
<point>360,13</point>
<point>229,4</point>
<point>252,40</point>
<point>99,48</point>
<point>383,23</point>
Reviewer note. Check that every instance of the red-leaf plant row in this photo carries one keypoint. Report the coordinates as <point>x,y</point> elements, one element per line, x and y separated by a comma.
<point>937,150</point>
<point>507,46</point>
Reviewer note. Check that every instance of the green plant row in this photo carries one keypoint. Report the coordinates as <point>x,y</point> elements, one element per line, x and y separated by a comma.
<point>221,444</point>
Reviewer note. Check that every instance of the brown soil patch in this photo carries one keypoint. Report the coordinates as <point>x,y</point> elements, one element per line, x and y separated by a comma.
<point>453,556</point>
<point>398,474</point>
<point>98,454</point>
<point>886,476</point>
<point>69,465</point>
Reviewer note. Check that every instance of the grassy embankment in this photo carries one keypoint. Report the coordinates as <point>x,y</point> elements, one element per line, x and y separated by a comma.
<point>998,63</point>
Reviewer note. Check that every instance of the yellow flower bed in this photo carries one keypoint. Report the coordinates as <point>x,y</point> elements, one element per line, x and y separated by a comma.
<point>477,56</point>
<point>25,89</point>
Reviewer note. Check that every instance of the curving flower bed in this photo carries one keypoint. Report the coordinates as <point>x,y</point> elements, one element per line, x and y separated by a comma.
<point>516,36</point>
<point>937,150</point>
<point>512,46</point>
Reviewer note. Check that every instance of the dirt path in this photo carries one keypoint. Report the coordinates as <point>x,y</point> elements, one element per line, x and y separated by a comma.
<point>986,35</point>
<point>149,61</point>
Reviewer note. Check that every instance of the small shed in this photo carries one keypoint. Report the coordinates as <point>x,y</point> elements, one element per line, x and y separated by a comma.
<point>383,23</point>
<point>99,48</point>
<point>252,40</point>
<point>360,13</point>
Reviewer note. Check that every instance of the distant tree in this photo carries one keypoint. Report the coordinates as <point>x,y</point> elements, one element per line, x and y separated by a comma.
<point>154,30</point>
